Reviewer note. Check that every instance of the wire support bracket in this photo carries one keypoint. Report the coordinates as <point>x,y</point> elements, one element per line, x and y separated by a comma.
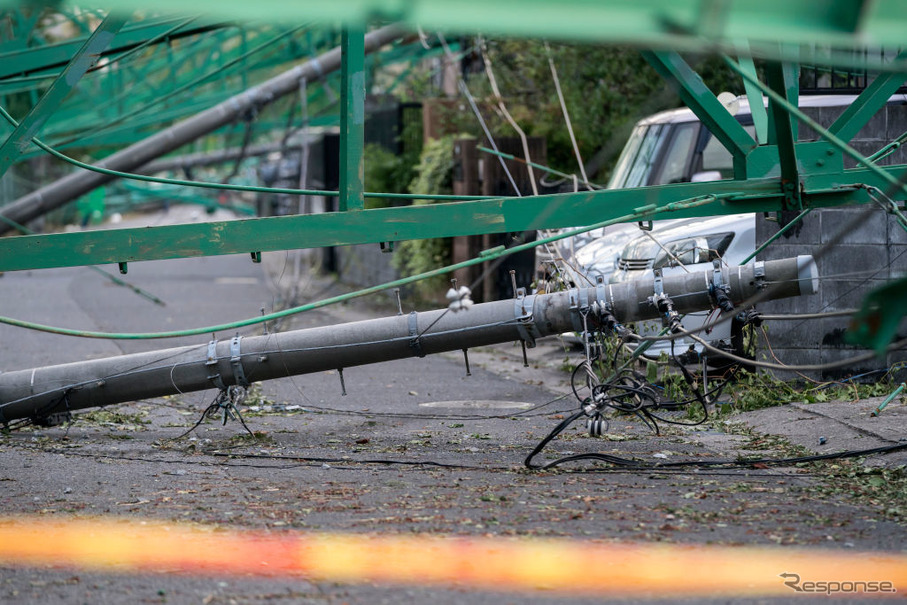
<point>523,307</point>
<point>759,273</point>
<point>236,362</point>
<point>211,361</point>
<point>579,301</point>
<point>601,295</point>
<point>719,289</point>
<point>415,339</point>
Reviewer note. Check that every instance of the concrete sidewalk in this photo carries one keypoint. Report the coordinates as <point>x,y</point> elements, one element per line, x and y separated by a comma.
<point>836,426</point>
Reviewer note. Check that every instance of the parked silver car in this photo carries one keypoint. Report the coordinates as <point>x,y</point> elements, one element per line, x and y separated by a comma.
<point>683,246</point>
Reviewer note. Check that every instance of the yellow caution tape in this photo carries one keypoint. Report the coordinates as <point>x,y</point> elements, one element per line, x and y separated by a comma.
<point>557,565</point>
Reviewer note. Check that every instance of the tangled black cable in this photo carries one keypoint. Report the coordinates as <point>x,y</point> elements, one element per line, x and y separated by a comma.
<point>626,392</point>
<point>636,396</point>
<point>226,404</point>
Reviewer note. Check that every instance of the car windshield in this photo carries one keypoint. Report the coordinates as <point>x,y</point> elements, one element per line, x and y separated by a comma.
<point>655,155</point>
<point>638,158</point>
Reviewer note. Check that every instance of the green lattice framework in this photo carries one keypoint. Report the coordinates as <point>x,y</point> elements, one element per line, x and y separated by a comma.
<point>190,64</point>
<point>777,174</point>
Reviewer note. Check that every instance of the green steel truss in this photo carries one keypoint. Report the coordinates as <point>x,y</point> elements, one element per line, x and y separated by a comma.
<point>415,222</point>
<point>171,81</point>
<point>678,24</point>
<point>771,172</point>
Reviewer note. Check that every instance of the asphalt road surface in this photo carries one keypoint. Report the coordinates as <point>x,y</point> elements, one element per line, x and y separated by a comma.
<point>414,446</point>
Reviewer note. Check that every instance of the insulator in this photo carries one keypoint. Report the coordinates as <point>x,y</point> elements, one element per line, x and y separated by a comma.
<point>237,394</point>
<point>600,394</point>
<point>597,425</point>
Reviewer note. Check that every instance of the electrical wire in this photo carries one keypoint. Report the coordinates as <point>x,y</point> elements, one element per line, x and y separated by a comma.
<point>503,108</point>
<point>461,84</point>
<point>804,316</point>
<point>206,185</point>
<point>564,176</point>
<point>488,256</point>
<point>247,138</point>
<point>740,462</point>
<point>841,363</point>
<point>636,399</point>
<point>817,255</point>
<point>620,465</point>
<point>379,461</point>
<point>560,97</point>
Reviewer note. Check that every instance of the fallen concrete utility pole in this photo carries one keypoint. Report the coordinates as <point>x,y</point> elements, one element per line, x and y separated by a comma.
<point>70,187</point>
<point>48,394</point>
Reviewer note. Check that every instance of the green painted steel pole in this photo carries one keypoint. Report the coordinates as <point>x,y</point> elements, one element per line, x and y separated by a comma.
<point>897,185</point>
<point>697,96</point>
<point>754,96</point>
<point>352,118</point>
<point>53,97</point>
<point>781,232</point>
<point>783,130</point>
<point>56,194</point>
<point>888,400</point>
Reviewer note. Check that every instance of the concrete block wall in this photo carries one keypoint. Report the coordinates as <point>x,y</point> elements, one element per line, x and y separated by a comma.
<point>886,126</point>
<point>858,248</point>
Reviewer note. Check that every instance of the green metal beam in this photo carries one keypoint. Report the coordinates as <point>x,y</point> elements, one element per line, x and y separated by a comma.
<point>86,57</point>
<point>352,118</point>
<point>53,56</point>
<point>418,222</point>
<point>191,87</point>
<point>83,115</point>
<point>754,96</point>
<point>782,78</point>
<point>870,101</point>
<point>158,80</point>
<point>705,105</point>
<point>653,23</point>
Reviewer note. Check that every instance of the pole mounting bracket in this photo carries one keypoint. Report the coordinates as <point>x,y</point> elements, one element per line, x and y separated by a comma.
<point>523,313</point>
<point>415,340</point>
<point>236,361</point>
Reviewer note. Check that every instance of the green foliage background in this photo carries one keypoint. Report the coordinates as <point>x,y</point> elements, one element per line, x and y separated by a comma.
<point>607,89</point>
<point>432,176</point>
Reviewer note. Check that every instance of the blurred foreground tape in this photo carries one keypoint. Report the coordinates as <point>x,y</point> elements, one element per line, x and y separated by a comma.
<point>559,566</point>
